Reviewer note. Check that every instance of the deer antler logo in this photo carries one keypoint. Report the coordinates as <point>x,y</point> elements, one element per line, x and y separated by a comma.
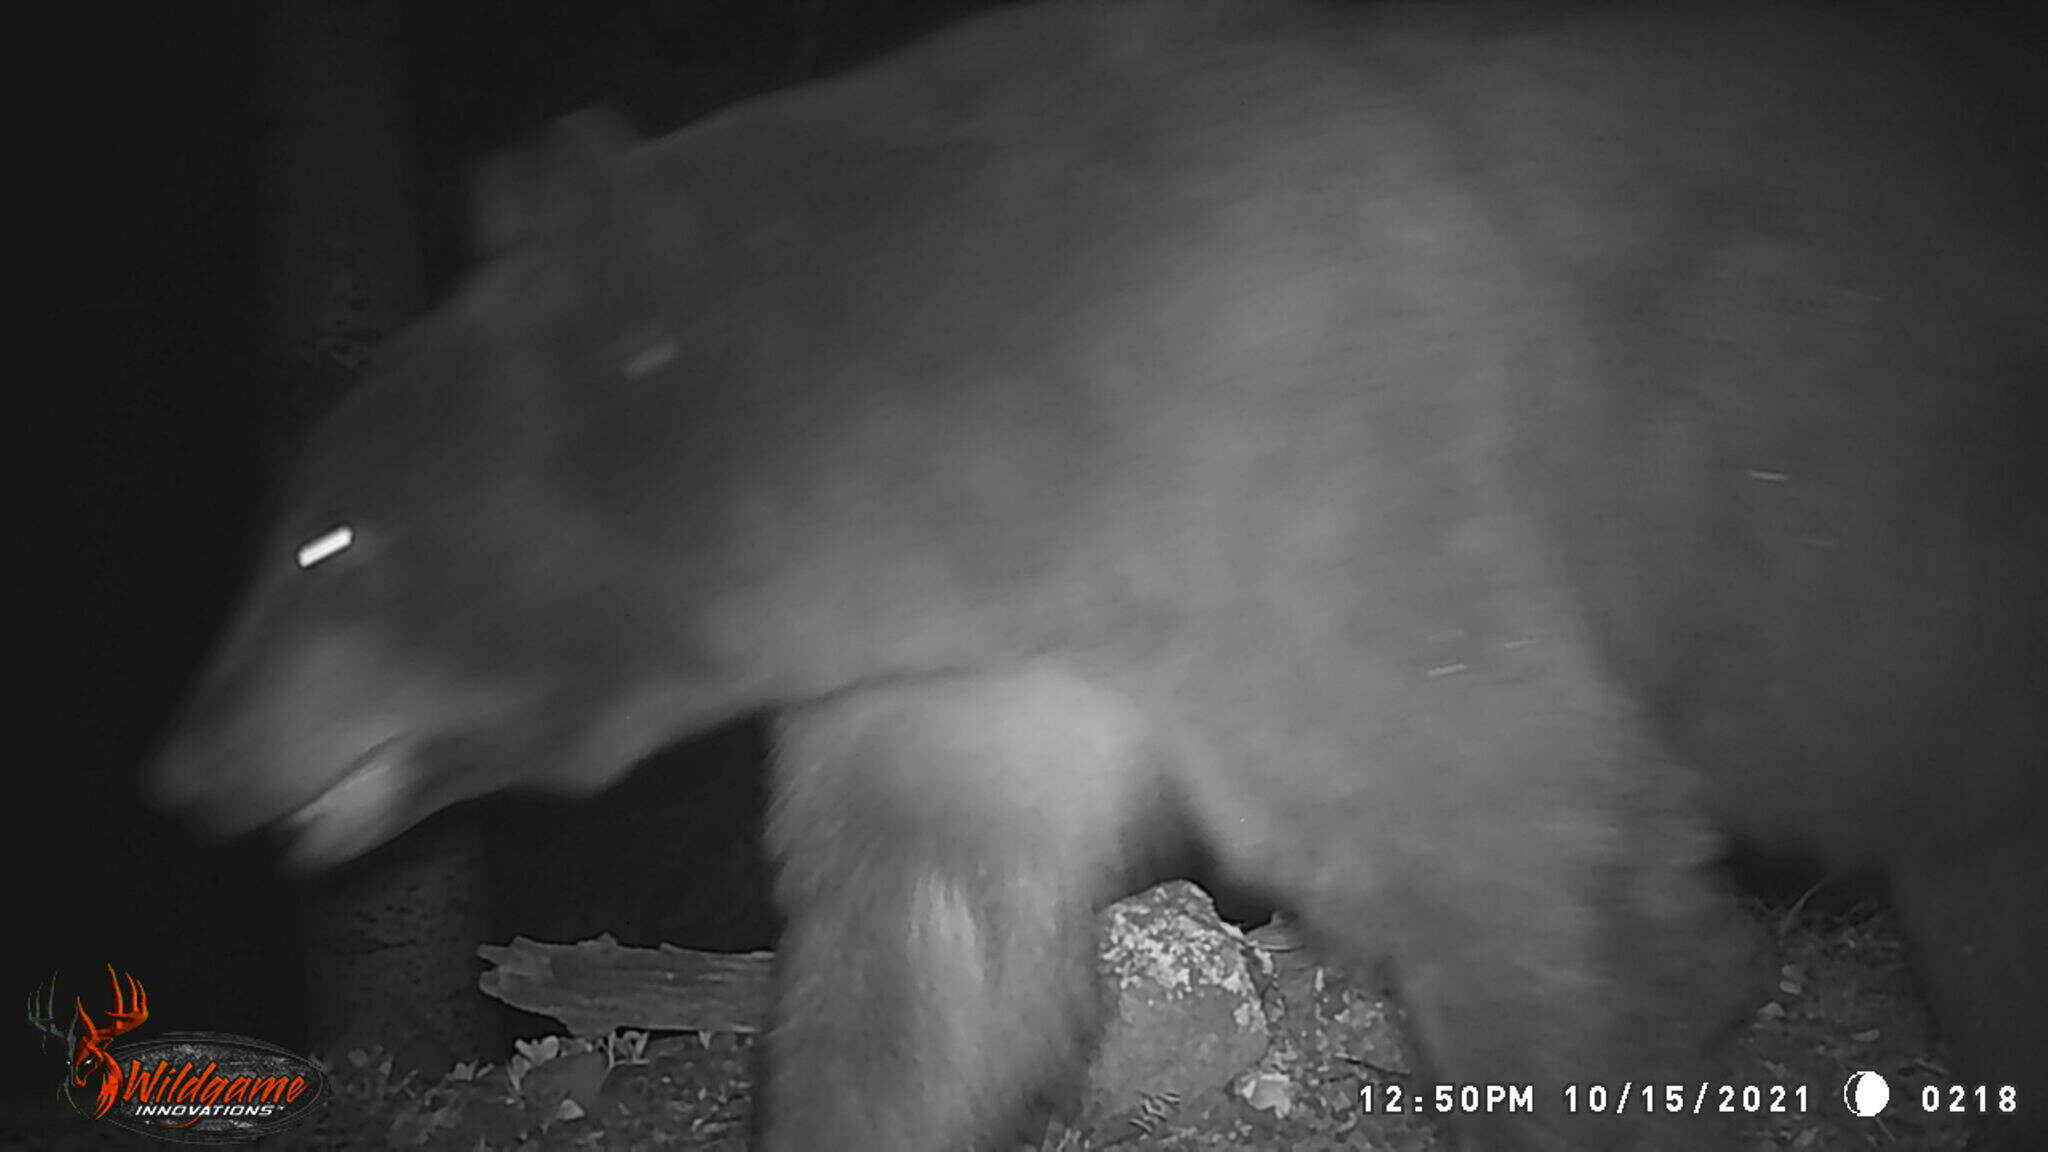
<point>88,1050</point>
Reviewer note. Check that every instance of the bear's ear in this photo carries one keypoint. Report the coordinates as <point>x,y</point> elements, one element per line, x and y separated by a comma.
<point>544,190</point>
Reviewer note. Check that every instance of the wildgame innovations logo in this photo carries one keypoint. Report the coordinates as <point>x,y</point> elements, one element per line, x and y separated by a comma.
<point>191,1087</point>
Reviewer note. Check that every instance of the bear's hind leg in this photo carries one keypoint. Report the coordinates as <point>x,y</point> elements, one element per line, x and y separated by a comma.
<point>1979,925</point>
<point>1543,889</point>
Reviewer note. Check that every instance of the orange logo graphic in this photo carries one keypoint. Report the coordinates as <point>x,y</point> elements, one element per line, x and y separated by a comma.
<point>194,1087</point>
<point>89,1055</point>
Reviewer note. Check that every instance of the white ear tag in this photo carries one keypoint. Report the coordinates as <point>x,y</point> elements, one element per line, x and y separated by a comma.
<point>326,544</point>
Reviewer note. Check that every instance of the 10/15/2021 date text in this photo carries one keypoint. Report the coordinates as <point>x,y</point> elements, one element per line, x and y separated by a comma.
<point>1589,1099</point>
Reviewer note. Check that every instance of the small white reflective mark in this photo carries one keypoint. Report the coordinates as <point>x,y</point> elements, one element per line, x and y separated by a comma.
<point>651,359</point>
<point>326,544</point>
<point>1769,477</point>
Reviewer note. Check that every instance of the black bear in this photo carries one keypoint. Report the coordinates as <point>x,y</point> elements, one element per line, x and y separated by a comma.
<point>1454,466</point>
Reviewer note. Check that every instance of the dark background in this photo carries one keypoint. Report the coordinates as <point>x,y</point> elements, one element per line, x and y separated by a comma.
<point>158,181</point>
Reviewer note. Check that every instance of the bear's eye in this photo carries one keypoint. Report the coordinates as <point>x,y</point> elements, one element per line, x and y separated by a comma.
<point>326,545</point>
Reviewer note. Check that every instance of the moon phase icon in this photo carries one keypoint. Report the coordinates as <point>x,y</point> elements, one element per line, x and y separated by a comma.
<point>1866,1093</point>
